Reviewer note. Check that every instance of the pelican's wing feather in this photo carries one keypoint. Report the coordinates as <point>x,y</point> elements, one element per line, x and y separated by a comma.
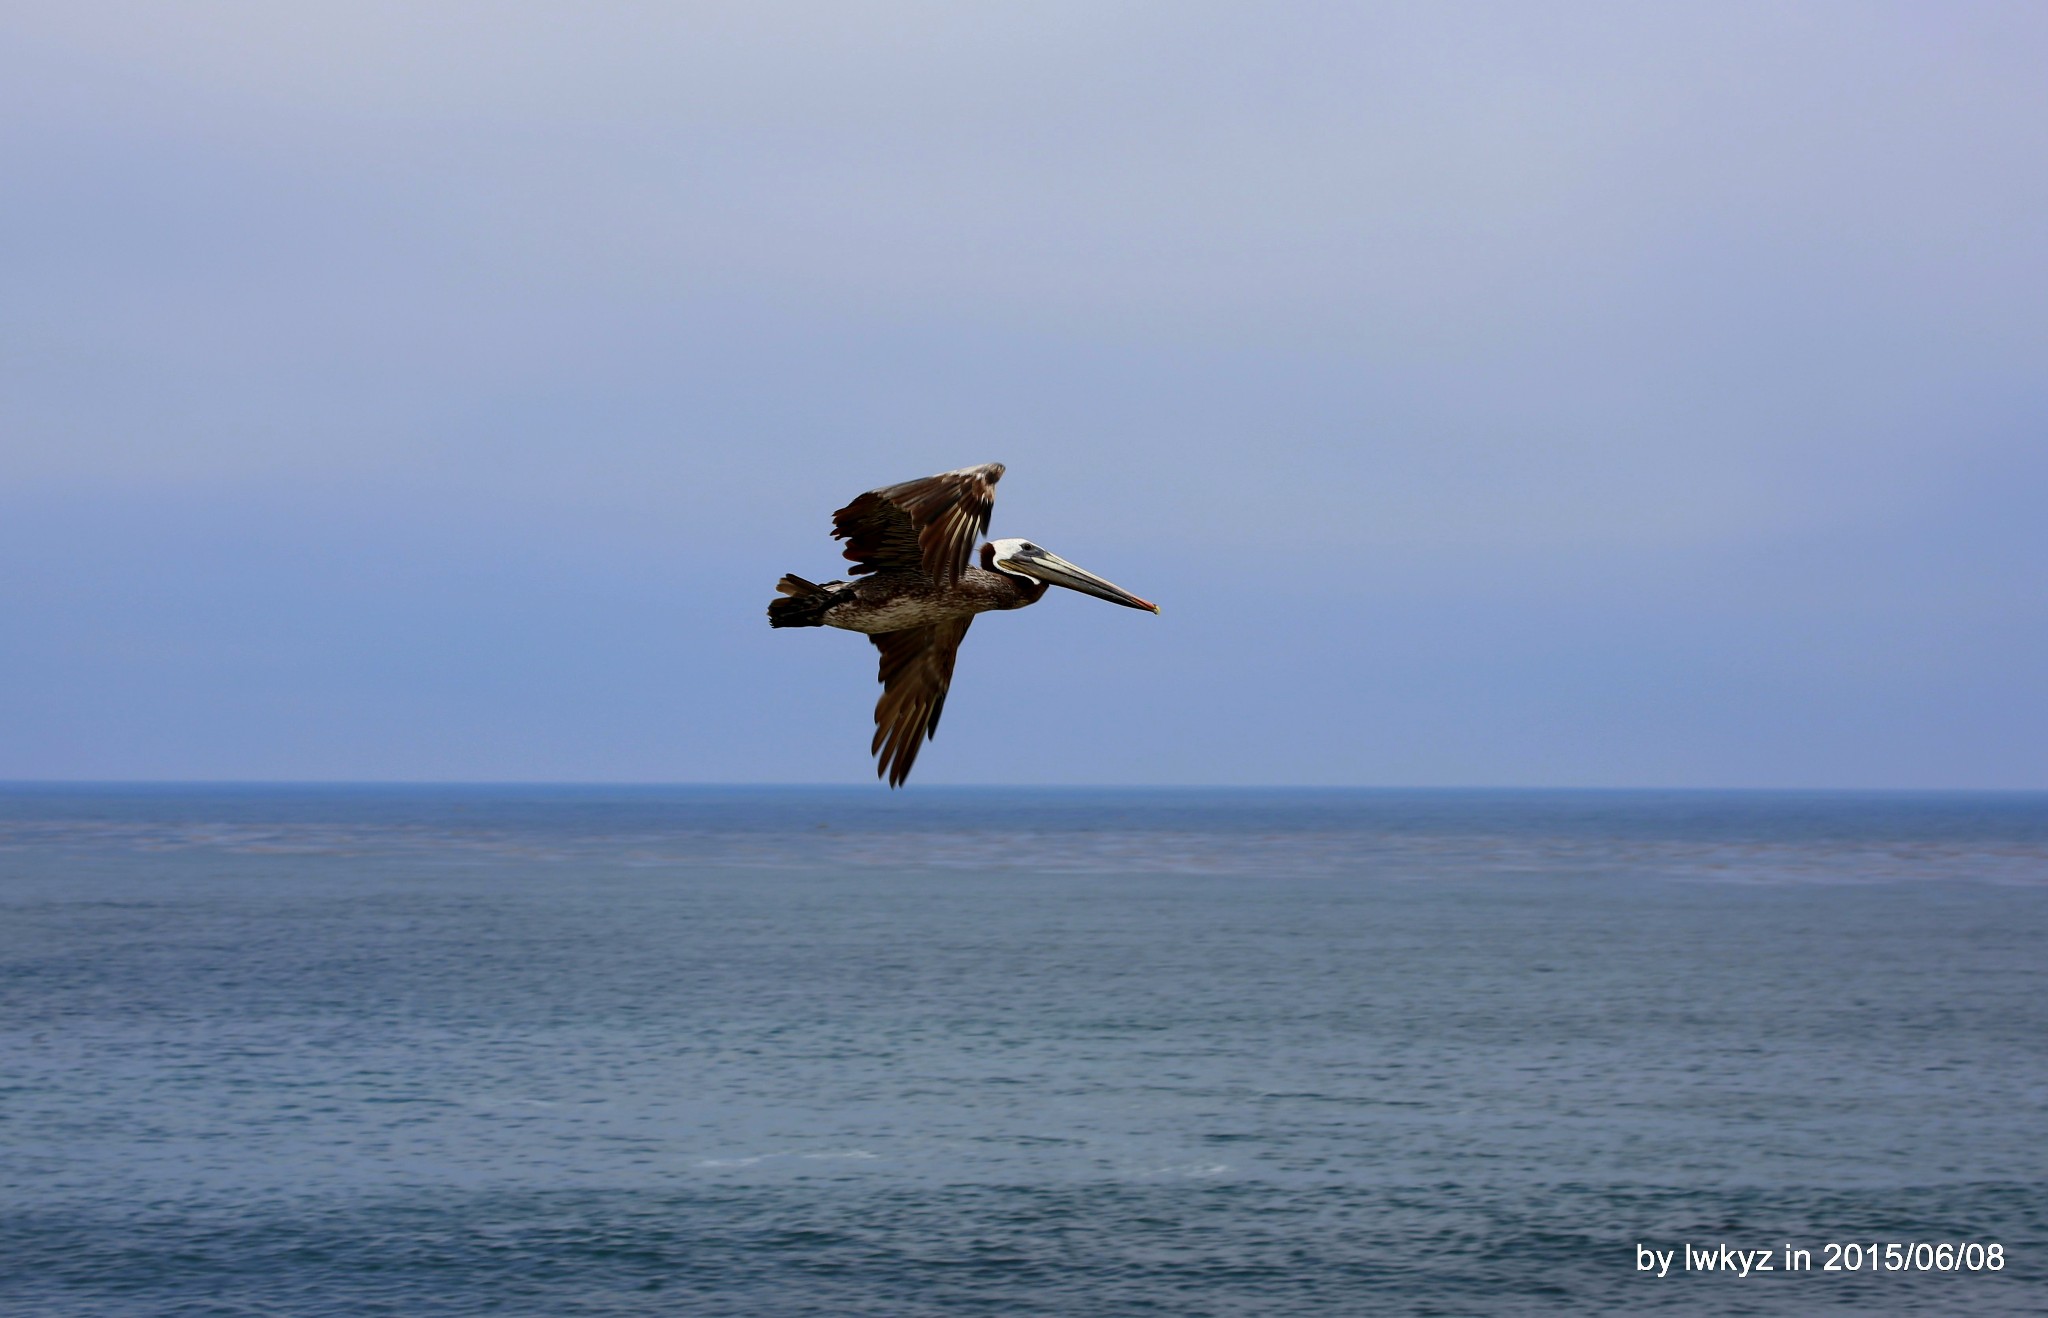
<point>930,524</point>
<point>917,667</point>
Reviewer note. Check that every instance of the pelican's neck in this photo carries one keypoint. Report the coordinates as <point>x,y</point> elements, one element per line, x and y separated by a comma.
<point>1019,588</point>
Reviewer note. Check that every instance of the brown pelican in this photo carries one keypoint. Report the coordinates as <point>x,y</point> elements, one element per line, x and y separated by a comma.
<point>911,545</point>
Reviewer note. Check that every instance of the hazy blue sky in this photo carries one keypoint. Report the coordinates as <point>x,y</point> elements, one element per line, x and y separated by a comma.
<point>1519,393</point>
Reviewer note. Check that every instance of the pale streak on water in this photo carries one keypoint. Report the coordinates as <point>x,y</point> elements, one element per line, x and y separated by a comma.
<point>766,1052</point>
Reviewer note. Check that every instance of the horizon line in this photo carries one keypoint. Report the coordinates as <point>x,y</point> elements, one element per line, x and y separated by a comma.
<point>8,784</point>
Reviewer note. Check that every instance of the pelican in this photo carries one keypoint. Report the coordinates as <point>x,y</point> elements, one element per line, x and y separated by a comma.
<point>911,545</point>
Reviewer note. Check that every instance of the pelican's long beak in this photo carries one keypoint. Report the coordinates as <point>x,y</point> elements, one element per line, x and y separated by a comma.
<point>1057,571</point>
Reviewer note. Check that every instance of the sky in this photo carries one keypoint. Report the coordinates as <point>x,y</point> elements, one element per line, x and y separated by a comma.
<point>1491,394</point>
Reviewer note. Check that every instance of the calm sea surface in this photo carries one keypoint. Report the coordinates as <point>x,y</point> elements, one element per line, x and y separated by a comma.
<point>435,1051</point>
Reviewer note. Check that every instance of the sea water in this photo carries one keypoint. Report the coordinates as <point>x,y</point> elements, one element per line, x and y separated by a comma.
<point>700,1051</point>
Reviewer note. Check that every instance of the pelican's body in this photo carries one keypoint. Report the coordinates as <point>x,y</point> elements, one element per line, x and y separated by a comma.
<point>892,601</point>
<point>916,592</point>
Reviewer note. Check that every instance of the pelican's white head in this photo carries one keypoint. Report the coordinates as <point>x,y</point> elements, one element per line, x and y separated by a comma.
<point>999,550</point>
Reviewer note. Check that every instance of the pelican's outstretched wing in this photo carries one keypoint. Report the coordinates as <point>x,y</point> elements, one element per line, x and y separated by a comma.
<point>917,666</point>
<point>930,524</point>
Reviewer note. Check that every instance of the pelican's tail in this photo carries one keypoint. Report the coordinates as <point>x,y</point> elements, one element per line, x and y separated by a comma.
<point>804,606</point>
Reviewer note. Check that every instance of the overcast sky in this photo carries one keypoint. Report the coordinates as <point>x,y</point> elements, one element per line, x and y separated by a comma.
<point>1491,394</point>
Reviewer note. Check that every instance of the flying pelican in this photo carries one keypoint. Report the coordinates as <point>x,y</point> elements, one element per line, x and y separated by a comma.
<point>912,544</point>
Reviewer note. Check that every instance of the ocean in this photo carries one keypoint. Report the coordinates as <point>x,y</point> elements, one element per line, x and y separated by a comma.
<point>760,1051</point>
